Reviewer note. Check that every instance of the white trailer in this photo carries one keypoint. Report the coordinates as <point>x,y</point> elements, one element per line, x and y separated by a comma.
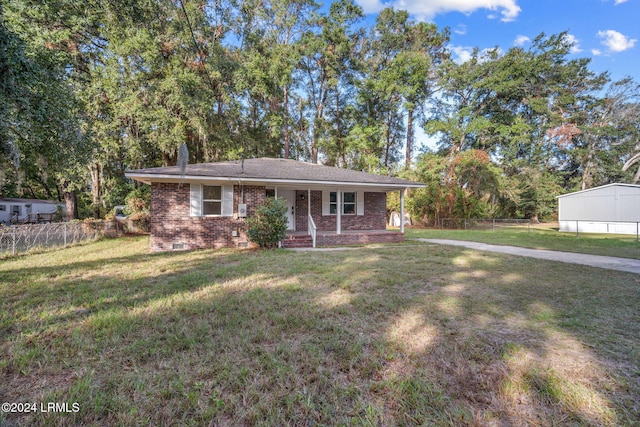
<point>612,208</point>
<point>20,211</point>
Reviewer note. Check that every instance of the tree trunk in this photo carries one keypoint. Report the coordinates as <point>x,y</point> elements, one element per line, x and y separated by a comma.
<point>314,151</point>
<point>96,194</point>
<point>71,205</point>
<point>285,112</point>
<point>316,136</point>
<point>407,158</point>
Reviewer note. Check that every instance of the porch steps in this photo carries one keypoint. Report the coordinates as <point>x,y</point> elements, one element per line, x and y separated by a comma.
<point>297,241</point>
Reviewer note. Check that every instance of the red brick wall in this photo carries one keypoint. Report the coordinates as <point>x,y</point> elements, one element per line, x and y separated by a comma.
<point>374,218</point>
<point>171,223</point>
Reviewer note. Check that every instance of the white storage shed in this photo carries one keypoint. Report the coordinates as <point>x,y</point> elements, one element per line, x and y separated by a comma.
<point>612,208</point>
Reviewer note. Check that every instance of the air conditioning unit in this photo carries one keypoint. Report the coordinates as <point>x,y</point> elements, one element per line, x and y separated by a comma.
<point>242,210</point>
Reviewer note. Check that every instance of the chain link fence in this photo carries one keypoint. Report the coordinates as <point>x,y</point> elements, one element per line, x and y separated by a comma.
<point>23,238</point>
<point>481,223</point>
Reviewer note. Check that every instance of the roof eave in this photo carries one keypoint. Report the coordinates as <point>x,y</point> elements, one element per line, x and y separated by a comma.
<point>619,184</point>
<point>384,186</point>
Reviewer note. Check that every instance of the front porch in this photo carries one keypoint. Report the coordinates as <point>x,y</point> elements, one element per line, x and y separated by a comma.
<point>302,239</point>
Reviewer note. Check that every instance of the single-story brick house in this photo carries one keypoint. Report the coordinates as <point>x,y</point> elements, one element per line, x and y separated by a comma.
<point>207,206</point>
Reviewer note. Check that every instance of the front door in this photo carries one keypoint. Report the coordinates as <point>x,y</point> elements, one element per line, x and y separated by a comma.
<point>15,212</point>
<point>290,196</point>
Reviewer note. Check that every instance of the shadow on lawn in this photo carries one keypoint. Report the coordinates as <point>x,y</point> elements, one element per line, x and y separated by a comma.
<point>391,336</point>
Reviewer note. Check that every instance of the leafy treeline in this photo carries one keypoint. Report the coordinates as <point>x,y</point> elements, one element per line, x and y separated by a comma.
<point>92,88</point>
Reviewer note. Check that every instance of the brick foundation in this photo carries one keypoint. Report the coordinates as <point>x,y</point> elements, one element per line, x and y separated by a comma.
<point>359,238</point>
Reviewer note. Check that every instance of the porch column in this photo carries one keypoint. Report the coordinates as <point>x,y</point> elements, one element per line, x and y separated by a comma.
<point>402,210</point>
<point>338,213</point>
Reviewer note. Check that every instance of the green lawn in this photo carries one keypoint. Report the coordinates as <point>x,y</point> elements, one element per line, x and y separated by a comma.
<point>540,237</point>
<point>413,334</point>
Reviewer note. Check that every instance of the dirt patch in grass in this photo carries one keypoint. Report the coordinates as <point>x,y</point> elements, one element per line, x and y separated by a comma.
<point>416,335</point>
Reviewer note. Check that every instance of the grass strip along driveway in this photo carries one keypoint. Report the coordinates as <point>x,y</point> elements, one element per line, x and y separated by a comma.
<point>393,335</point>
<point>600,261</point>
<point>540,237</point>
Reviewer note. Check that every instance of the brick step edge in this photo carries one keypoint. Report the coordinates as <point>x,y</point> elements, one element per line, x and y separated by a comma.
<point>298,243</point>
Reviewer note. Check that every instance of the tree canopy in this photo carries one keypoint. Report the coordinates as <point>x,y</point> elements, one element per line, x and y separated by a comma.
<point>91,89</point>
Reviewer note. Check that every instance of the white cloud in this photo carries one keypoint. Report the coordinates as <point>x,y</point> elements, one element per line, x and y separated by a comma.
<point>371,6</point>
<point>575,43</point>
<point>427,9</point>
<point>596,52</point>
<point>615,41</point>
<point>462,54</point>
<point>461,29</point>
<point>620,2</point>
<point>521,40</point>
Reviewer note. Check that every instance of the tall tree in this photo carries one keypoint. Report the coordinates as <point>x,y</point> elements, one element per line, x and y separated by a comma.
<point>325,59</point>
<point>514,105</point>
<point>39,120</point>
<point>401,58</point>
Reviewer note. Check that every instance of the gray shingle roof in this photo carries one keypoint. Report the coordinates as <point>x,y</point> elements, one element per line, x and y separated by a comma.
<point>271,170</point>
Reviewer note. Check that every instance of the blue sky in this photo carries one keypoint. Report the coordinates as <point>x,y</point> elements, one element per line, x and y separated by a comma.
<point>607,31</point>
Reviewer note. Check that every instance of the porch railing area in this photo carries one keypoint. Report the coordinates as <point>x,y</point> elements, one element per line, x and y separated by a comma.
<point>312,230</point>
<point>32,218</point>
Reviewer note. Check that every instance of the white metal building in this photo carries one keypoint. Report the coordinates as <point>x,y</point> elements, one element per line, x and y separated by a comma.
<point>612,208</point>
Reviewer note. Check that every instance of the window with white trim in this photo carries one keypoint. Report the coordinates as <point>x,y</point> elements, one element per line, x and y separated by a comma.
<point>3,207</point>
<point>212,200</point>
<point>348,203</point>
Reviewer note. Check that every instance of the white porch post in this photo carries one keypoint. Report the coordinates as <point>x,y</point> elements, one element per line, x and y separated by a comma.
<point>402,210</point>
<point>275,192</point>
<point>338,213</point>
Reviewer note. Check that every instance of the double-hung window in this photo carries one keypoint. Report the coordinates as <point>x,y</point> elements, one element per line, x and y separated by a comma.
<point>348,203</point>
<point>212,200</point>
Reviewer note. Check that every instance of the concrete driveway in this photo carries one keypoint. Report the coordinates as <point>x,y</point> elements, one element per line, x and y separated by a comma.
<point>611,263</point>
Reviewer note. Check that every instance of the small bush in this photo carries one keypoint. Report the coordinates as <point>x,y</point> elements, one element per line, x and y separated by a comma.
<point>138,200</point>
<point>139,222</point>
<point>269,224</point>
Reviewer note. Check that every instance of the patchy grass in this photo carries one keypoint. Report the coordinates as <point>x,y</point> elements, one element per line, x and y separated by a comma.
<point>398,335</point>
<point>540,237</point>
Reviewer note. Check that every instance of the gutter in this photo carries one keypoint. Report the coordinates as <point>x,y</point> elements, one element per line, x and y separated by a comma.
<point>148,178</point>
